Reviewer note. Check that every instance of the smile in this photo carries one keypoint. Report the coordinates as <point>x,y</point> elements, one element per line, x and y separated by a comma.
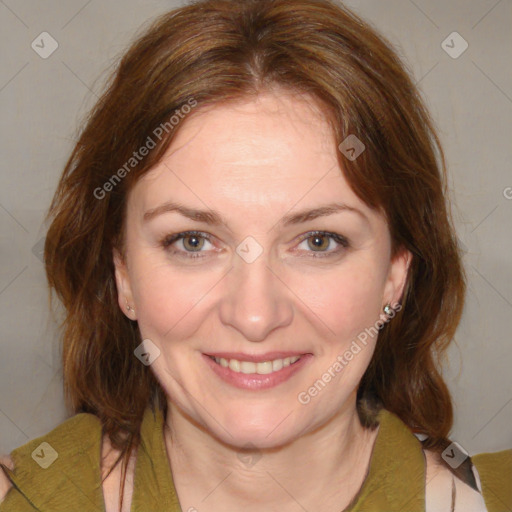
<point>269,371</point>
<point>262,368</point>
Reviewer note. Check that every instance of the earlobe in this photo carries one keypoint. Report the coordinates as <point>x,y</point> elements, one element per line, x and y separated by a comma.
<point>406,262</point>
<point>398,276</point>
<point>124,293</point>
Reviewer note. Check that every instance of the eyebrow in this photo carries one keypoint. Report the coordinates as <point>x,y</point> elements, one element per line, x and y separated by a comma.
<point>215,219</point>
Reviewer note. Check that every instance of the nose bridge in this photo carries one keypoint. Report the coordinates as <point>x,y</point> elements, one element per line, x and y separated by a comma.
<point>256,301</point>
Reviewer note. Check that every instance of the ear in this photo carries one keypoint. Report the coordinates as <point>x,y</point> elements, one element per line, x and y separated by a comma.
<point>397,277</point>
<point>124,290</point>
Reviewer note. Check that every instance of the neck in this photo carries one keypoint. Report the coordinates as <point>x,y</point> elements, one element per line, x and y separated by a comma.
<point>329,463</point>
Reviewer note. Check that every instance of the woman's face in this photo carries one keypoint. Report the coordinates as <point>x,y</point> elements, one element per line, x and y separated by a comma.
<point>258,285</point>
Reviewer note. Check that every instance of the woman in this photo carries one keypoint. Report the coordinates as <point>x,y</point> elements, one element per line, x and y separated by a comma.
<point>253,245</point>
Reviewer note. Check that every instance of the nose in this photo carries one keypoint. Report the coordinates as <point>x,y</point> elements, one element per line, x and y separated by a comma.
<point>256,300</point>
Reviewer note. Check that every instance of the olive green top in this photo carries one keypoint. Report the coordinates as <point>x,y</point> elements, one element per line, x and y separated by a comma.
<point>64,473</point>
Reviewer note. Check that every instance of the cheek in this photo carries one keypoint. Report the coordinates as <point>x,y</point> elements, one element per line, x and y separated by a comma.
<point>168,301</point>
<point>348,299</point>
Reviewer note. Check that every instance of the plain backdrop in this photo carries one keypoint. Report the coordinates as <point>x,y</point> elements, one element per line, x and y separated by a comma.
<point>43,101</point>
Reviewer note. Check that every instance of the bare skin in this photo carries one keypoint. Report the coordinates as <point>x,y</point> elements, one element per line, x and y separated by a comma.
<point>112,483</point>
<point>332,487</point>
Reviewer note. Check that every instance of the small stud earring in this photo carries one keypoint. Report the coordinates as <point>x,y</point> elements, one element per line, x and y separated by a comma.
<point>388,309</point>
<point>128,307</point>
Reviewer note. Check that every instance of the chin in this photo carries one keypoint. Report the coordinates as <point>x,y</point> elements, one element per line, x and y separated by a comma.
<point>255,439</point>
<point>266,428</point>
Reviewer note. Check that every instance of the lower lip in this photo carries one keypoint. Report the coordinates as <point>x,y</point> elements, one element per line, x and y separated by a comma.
<point>256,381</point>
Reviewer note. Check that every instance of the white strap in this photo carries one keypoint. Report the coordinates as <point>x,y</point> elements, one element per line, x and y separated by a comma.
<point>444,492</point>
<point>468,499</point>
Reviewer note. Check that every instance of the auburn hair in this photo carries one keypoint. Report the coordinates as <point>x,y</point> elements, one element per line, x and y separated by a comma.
<point>214,51</point>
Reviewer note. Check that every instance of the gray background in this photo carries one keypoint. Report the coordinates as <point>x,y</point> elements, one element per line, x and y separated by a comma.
<point>44,100</point>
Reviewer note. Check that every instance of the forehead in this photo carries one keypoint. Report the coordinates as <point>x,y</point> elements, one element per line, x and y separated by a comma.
<point>274,150</point>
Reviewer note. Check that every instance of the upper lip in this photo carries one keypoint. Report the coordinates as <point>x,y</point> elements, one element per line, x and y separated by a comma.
<point>255,358</point>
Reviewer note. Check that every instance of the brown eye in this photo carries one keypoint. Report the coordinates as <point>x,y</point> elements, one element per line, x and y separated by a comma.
<point>193,242</point>
<point>320,242</point>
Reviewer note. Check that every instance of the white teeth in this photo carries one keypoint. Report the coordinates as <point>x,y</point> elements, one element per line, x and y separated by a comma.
<point>246,367</point>
<point>262,368</point>
<point>277,365</point>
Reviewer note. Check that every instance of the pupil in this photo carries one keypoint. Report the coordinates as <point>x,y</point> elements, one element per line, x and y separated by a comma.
<point>195,243</point>
<point>317,241</point>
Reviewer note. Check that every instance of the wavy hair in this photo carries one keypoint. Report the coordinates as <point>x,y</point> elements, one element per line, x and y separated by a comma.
<point>213,51</point>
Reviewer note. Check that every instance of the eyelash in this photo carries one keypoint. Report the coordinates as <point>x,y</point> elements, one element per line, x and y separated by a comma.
<point>168,240</point>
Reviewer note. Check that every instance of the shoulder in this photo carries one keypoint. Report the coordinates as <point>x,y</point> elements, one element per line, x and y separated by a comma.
<point>495,475</point>
<point>447,490</point>
<point>487,487</point>
<point>495,462</point>
<point>480,482</point>
<point>55,467</point>
<point>5,483</point>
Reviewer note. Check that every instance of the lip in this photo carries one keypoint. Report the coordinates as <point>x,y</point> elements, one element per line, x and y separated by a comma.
<point>254,381</point>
